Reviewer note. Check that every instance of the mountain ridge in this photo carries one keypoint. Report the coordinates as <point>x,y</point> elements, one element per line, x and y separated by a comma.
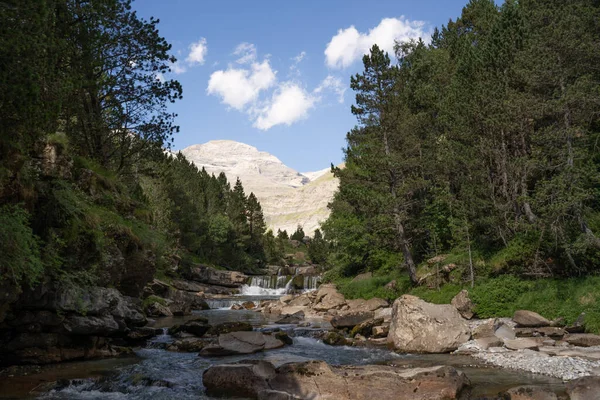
<point>288,198</point>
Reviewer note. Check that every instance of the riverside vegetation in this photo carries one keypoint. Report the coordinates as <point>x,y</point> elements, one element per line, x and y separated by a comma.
<point>479,151</point>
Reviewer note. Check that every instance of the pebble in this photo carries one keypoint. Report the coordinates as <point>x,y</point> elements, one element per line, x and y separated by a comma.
<point>565,368</point>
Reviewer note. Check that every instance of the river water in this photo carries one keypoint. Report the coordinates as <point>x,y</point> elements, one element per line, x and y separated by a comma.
<point>154,373</point>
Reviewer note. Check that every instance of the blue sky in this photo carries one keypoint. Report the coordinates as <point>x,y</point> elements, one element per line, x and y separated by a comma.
<point>276,74</point>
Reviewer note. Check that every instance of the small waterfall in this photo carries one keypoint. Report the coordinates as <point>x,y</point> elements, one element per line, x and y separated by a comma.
<point>280,284</point>
<point>311,282</point>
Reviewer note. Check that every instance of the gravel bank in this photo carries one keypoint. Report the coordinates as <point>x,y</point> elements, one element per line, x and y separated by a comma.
<point>565,368</point>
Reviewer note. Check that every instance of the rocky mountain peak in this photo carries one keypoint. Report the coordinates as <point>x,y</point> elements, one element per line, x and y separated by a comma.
<point>288,197</point>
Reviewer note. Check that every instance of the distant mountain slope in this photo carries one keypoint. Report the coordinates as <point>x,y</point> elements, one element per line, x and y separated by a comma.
<point>288,197</point>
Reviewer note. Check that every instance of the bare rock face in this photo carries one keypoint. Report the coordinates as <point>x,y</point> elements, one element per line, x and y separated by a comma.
<point>211,276</point>
<point>316,380</point>
<point>529,319</point>
<point>463,304</point>
<point>288,198</point>
<point>421,327</point>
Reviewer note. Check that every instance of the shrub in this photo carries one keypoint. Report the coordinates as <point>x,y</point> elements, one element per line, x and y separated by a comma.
<point>19,247</point>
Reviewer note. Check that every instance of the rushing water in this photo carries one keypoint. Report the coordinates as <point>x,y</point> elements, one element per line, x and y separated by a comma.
<point>158,374</point>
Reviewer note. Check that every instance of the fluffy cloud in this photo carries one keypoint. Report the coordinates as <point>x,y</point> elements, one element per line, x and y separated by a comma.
<point>178,68</point>
<point>290,103</point>
<point>349,44</point>
<point>238,87</point>
<point>333,83</point>
<point>198,52</point>
<point>246,52</point>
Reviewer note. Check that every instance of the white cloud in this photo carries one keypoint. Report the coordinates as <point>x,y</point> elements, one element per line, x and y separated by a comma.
<point>299,57</point>
<point>333,83</point>
<point>198,52</point>
<point>246,51</point>
<point>159,77</point>
<point>178,68</point>
<point>348,45</point>
<point>239,87</point>
<point>289,104</point>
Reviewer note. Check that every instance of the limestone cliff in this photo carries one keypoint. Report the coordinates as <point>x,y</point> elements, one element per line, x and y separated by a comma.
<point>289,198</point>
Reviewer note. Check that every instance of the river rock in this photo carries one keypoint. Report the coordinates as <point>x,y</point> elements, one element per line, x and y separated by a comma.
<point>349,319</point>
<point>380,331</point>
<point>487,342</point>
<point>328,298</point>
<point>205,274</point>
<point>227,327</point>
<point>583,339</point>
<point>586,388</point>
<point>97,326</point>
<point>237,380</point>
<point>505,332</point>
<point>485,329</point>
<point>384,313</point>
<point>421,327</point>
<point>242,343</point>
<point>367,305</point>
<point>547,331</point>
<point>531,393</point>
<point>300,301</point>
<point>155,309</point>
<point>197,327</point>
<point>530,319</point>
<point>463,304</point>
<point>522,343</point>
<point>316,380</point>
<point>189,344</point>
<point>295,318</point>
<point>334,338</point>
<point>578,326</point>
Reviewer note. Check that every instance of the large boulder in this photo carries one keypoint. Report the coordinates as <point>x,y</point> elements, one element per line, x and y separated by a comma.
<point>529,319</point>
<point>237,380</point>
<point>349,319</point>
<point>211,276</point>
<point>586,388</point>
<point>318,381</point>
<point>463,304</point>
<point>328,298</point>
<point>421,327</point>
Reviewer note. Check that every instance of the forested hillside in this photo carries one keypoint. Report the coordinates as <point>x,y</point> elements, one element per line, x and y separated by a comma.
<point>88,193</point>
<point>480,146</point>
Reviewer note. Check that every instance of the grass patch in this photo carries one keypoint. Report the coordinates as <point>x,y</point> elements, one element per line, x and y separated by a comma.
<point>153,299</point>
<point>373,287</point>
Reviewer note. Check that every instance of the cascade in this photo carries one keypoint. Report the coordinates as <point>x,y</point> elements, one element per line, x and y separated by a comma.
<point>277,285</point>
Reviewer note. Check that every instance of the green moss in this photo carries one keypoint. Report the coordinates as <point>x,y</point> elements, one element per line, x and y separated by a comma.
<point>153,299</point>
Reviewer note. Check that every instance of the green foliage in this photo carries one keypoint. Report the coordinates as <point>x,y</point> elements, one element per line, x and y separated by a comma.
<point>372,287</point>
<point>19,247</point>
<point>299,234</point>
<point>483,142</point>
<point>153,299</point>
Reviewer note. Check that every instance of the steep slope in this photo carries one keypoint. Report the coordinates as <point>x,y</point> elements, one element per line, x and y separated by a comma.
<point>288,197</point>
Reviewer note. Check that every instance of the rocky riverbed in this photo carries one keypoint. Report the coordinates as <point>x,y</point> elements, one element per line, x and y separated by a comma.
<point>315,345</point>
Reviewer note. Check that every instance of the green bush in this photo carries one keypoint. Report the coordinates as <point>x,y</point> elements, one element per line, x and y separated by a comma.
<point>19,247</point>
<point>373,287</point>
